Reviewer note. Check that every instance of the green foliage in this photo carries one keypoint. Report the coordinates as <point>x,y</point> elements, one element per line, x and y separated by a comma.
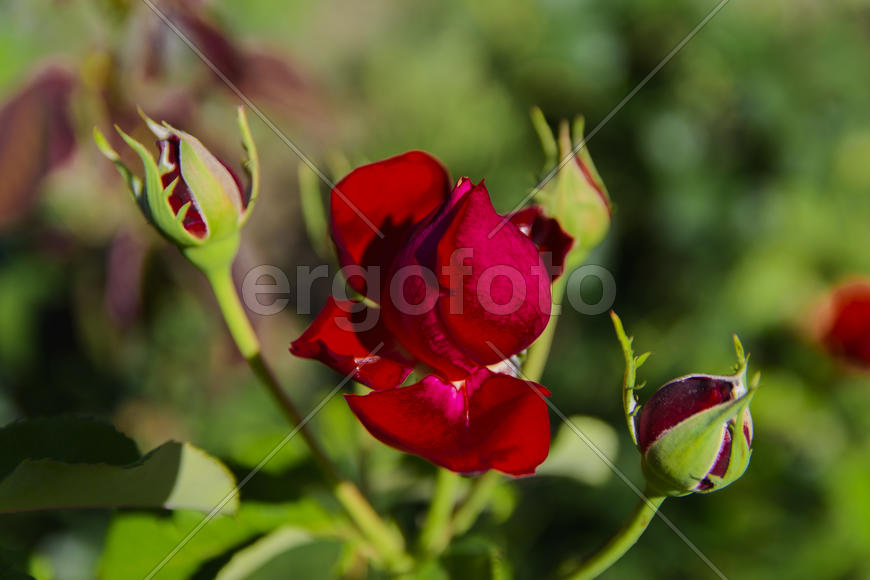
<point>137,542</point>
<point>75,463</point>
<point>65,439</point>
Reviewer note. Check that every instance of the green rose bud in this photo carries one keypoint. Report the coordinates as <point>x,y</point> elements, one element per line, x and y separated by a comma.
<point>576,194</point>
<point>190,196</point>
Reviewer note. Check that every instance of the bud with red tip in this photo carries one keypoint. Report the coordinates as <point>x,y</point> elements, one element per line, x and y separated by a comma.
<point>575,193</point>
<point>695,433</point>
<point>190,196</point>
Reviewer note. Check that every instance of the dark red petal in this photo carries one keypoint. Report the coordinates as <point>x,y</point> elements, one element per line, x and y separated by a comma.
<point>389,196</point>
<point>482,297</point>
<point>677,401</point>
<point>848,332</point>
<point>503,425</point>
<point>497,288</point>
<point>722,460</point>
<point>720,466</point>
<point>552,241</point>
<point>410,304</point>
<point>337,339</point>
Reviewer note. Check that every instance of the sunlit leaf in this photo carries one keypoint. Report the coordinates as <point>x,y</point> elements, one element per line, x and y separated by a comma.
<point>138,542</point>
<point>76,463</point>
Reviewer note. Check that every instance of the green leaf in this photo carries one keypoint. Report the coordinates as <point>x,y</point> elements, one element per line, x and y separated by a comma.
<point>571,456</point>
<point>286,552</point>
<point>7,572</point>
<point>66,439</point>
<point>8,568</point>
<point>175,475</point>
<point>75,463</point>
<point>137,542</point>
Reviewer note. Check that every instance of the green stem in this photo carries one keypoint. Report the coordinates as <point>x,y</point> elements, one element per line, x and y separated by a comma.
<point>388,543</point>
<point>246,339</point>
<point>539,352</point>
<point>437,530</point>
<point>475,502</point>
<point>622,541</point>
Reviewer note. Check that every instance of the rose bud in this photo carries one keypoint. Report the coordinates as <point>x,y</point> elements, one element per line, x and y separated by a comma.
<point>695,433</point>
<point>190,196</point>
<point>576,194</point>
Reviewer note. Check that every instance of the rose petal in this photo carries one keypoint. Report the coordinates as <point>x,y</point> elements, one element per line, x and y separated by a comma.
<point>552,241</point>
<point>461,299</point>
<point>343,337</point>
<point>677,401</point>
<point>410,303</point>
<point>391,195</point>
<point>503,425</point>
<point>498,288</point>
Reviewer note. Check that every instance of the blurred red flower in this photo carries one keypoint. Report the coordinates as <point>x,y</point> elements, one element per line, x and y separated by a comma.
<point>36,136</point>
<point>845,322</point>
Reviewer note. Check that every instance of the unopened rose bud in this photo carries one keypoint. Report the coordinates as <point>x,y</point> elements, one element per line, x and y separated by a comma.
<point>576,194</point>
<point>190,196</point>
<point>695,433</point>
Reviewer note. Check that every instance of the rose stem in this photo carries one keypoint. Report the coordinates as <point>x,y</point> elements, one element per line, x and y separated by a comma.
<point>389,544</point>
<point>539,352</point>
<point>533,368</point>
<point>622,541</point>
<point>436,529</point>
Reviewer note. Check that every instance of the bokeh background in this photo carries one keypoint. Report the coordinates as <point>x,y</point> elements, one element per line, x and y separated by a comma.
<point>739,174</point>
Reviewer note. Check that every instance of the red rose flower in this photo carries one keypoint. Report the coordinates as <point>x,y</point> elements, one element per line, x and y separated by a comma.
<point>448,293</point>
<point>845,323</point>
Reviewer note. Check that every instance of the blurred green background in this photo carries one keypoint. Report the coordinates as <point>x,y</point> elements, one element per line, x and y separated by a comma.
<point>740,178</point>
